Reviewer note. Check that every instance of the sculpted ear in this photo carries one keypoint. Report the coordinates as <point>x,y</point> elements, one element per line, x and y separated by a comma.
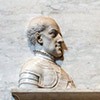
<point>39,38</point>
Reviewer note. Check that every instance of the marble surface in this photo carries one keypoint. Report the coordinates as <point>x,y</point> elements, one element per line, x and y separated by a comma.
<point>80,25</point>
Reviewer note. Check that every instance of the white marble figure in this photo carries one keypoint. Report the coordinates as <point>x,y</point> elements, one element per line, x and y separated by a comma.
<point>48,46</point>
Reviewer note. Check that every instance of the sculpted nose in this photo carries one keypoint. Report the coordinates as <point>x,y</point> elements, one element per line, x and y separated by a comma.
<point>61,41</point>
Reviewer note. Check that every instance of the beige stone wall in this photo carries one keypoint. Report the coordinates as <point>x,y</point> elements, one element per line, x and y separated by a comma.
<point>80,25</point>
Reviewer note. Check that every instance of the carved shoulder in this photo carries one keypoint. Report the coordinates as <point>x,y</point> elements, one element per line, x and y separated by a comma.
<point>30,74</point>
<point>32,66</point>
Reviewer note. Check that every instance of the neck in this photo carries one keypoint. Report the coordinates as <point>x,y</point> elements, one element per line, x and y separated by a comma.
<point>44,55</point>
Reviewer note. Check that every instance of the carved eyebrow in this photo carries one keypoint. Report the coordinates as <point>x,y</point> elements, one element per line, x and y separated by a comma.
<point>55,31</point>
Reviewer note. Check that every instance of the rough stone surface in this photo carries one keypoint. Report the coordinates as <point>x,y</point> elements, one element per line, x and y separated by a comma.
<point>80,25</point>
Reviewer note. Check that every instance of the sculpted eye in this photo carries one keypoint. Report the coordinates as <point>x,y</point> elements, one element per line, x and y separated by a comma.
<point>53,33</point>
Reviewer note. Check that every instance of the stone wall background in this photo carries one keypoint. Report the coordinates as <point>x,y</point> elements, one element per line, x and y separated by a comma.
<point>80,25</point>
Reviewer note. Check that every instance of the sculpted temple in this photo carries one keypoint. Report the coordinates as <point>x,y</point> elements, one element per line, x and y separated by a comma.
<point>47,45</point>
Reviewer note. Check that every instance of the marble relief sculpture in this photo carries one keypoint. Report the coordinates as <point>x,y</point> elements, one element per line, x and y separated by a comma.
<point>47,45</point>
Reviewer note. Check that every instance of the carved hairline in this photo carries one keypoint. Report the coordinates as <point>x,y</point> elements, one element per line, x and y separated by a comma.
<point>31,32</point>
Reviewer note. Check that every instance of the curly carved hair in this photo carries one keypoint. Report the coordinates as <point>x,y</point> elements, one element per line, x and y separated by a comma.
<point>31,32</point>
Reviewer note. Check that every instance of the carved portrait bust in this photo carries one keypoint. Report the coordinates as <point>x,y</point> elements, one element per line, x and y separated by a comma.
<point>47,45</point>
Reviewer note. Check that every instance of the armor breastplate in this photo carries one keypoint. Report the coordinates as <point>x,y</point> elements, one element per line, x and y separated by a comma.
<point>49,78</point>
<point>47,74</point>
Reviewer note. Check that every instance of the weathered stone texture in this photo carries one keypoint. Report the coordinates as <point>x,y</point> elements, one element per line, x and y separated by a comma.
<point>80,25</point>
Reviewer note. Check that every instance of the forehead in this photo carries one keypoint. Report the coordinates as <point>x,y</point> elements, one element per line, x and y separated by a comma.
<point>47,21</point>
